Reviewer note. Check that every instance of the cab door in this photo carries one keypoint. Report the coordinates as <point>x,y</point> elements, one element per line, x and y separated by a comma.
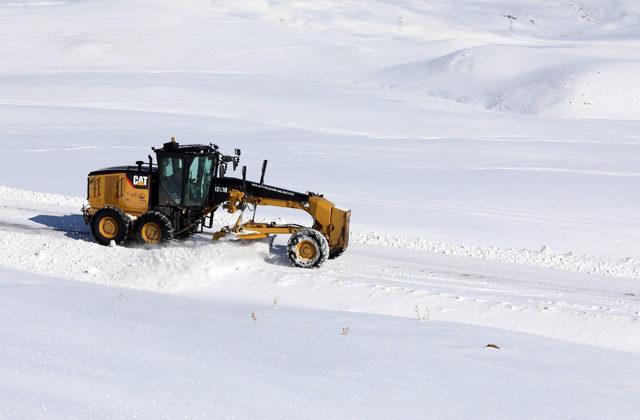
<point>199,178</point>
<point>170,180</point>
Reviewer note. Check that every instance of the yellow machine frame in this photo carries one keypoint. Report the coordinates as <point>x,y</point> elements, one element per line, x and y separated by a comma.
<point>115,189</point>
<point>330,220</point>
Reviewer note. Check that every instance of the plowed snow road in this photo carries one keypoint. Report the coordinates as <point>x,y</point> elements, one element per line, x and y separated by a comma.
<point>44,234</point>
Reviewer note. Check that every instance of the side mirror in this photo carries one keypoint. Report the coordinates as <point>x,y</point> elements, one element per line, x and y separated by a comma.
<point>237,152</point>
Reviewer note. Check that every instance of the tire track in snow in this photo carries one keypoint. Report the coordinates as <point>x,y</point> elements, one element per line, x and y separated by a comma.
<point>592,264</point>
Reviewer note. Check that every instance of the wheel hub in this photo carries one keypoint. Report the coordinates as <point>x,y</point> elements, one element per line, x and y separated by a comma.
<point>151,233</point>
<point>108,227</point>
<point>307,250</point>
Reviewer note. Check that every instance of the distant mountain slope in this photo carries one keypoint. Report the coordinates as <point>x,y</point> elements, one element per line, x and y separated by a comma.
<point>564,58</point>
<point>439,19</point>
<point>525,80</point>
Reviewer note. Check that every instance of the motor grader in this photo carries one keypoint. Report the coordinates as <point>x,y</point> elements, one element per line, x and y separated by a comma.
<point>178,195</point>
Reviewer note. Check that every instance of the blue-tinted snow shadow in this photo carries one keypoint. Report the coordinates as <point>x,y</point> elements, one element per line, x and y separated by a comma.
<point>278,255</point>
<point>72,225</point>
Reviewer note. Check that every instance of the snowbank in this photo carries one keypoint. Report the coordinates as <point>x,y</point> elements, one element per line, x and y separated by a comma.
<point>537,81</point>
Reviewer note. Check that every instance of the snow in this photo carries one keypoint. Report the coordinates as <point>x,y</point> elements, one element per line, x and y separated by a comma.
<point>77,350</point>
<point>524,80</point>
<point>490,163</point>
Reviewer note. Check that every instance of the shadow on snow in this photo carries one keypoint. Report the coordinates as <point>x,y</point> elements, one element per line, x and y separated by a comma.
<point>72,225</point>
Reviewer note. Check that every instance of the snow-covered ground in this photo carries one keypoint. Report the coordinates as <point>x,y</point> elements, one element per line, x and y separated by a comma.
<point>489,153</point>
<point>84,351</point>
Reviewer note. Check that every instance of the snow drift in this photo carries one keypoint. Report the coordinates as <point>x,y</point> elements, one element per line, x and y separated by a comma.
<point>536,81</point>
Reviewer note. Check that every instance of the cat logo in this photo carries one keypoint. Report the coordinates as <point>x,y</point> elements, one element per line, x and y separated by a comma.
<point>140,180</point>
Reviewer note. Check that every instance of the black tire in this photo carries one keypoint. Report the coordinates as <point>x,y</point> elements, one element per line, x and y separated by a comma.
<point>152,228</point>
<point>308,248</point>
<point>110,224</point>
<point>335,253</point>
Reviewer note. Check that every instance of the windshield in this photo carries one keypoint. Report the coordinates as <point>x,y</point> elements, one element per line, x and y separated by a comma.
<point>199,181</point>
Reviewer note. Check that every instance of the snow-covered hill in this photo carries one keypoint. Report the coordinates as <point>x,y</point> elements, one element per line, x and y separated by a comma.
<point>489,152</point>
<point>526,80</point>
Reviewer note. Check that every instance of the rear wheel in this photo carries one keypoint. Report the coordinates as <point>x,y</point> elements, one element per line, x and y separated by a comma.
<point>308,248</point>
<point>110,224</point>
<point>152,228</point>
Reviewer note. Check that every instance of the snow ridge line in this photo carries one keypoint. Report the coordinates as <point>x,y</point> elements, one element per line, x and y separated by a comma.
<point>17,194</point>
<point>601,265</point>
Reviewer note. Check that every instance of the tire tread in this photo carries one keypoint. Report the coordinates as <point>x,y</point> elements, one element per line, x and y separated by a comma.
<point>161,219</point>
<point>320,241</point>
<point>124,224</point>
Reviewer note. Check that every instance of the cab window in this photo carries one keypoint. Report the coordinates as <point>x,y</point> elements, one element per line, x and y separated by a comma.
<point>171,178</point>
<point>199,181</point>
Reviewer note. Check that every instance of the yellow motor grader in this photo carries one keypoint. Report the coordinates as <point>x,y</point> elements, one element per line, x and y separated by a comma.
<point>177,196</point>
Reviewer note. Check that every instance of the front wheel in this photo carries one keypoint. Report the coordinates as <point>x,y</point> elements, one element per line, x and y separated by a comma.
<point>152,228</point>
<point>110,224</point>
<point>308,248</point>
